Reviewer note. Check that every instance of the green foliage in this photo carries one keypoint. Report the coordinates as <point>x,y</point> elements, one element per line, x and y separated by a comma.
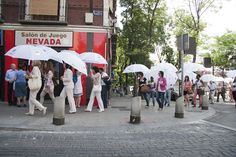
<point>169,55</point>
<point>144,24</point>
<point>224,50</point>
<point>190,20</point>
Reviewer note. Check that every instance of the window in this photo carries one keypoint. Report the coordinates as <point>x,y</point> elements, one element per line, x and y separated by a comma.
<point>43,10</point>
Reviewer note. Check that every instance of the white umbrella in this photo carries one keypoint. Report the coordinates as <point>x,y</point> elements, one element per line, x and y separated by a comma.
<point>164,67</point>
<point>29,52</point>
<point>170,76</point>
<point>92,57</point>
<point>136,68</point>
<point>208,78</point>
<point>193,67</point>
<point>231,73</point>
<point>51,53</point>
<point>73,60</point>
<point>190,74</point>
<point>219,79</point>
<point>228,80</point>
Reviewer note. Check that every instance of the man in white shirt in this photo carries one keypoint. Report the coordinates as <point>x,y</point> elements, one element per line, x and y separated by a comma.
<point>10,78</point>
<point>212,87</point>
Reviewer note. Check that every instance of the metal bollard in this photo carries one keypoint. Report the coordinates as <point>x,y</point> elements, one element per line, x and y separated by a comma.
<point>135,114</point>
<point>179,107</point>
<point>205,102</point>
<point>59,111</point>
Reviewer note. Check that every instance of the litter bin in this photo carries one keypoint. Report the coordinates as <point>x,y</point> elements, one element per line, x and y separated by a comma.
<point>59,111</point>
<point>135,114</point>
<point>179,107</point>
<point>205,102</point>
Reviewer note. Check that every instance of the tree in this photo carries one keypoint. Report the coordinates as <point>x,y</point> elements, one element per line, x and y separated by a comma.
<point>224,50</point>
<point>143,27</point>
<point>190,20</point>
<point>169,55</point>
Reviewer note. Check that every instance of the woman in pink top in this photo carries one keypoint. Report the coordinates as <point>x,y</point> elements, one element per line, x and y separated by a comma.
<point>187,90</point>
<point>161,89</point>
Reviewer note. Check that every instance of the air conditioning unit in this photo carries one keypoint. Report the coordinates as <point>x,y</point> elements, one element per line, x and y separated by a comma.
<point>88,18</point>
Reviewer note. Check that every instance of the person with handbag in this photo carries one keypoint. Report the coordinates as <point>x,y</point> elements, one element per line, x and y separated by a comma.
<point>35,84</point>
<point>67,91</point>
<point>187,90</point>
<point>198,91</point>
<point>143,88</point>
<point>96,90</point>
<point>48,85</point>
<point>161,89</point>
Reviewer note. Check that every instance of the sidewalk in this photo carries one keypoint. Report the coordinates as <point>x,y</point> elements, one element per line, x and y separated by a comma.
<point>116,115</point>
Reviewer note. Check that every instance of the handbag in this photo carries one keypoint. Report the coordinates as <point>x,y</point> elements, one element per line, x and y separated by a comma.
<point>144,89</point>
<point>97,88</point>
<point>34,84</point>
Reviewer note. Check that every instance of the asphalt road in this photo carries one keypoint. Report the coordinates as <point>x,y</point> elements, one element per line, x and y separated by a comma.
<point>225,115</point>
<point>215,136</point>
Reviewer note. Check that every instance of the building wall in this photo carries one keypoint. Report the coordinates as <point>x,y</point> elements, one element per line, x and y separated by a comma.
<point>12,11</point>
<point>86,37</point>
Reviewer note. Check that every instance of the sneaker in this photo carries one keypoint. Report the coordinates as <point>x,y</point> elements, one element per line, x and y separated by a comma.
<point>72,112</point>
<point>29,114</point>
<point>101,111</point>
<point>86,110</point>
<point>147,106</point>
<point>44,110</point>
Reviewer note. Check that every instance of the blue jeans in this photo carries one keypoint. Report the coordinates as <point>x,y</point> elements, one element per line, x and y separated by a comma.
<point>104,95</point>
<point>167,97</point>
<point>161,99</point>
<point>152,95</point>
<point>145,95</point>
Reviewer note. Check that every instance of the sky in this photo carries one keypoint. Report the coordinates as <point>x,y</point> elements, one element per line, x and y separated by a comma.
<point>217,23</point>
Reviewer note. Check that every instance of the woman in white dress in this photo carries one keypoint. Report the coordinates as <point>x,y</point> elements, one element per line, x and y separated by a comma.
<point>48,85</point>
<point>78,88</point>
<point>35,75</point>
<point>96,90</point>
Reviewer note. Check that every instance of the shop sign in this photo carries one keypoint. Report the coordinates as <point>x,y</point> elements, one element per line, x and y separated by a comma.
<point>53,39</point>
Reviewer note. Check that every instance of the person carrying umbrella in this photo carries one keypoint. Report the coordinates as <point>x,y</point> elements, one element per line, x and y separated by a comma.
<point>198,91</point>
<point>35,84</point>
<point>67,91</point>
<point>96,90</point>
<point>161,89</point>
<point>48,84</point>
<point>143,87</point>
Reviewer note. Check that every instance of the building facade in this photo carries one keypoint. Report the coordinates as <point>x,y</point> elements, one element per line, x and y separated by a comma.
<point>79,25</point>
